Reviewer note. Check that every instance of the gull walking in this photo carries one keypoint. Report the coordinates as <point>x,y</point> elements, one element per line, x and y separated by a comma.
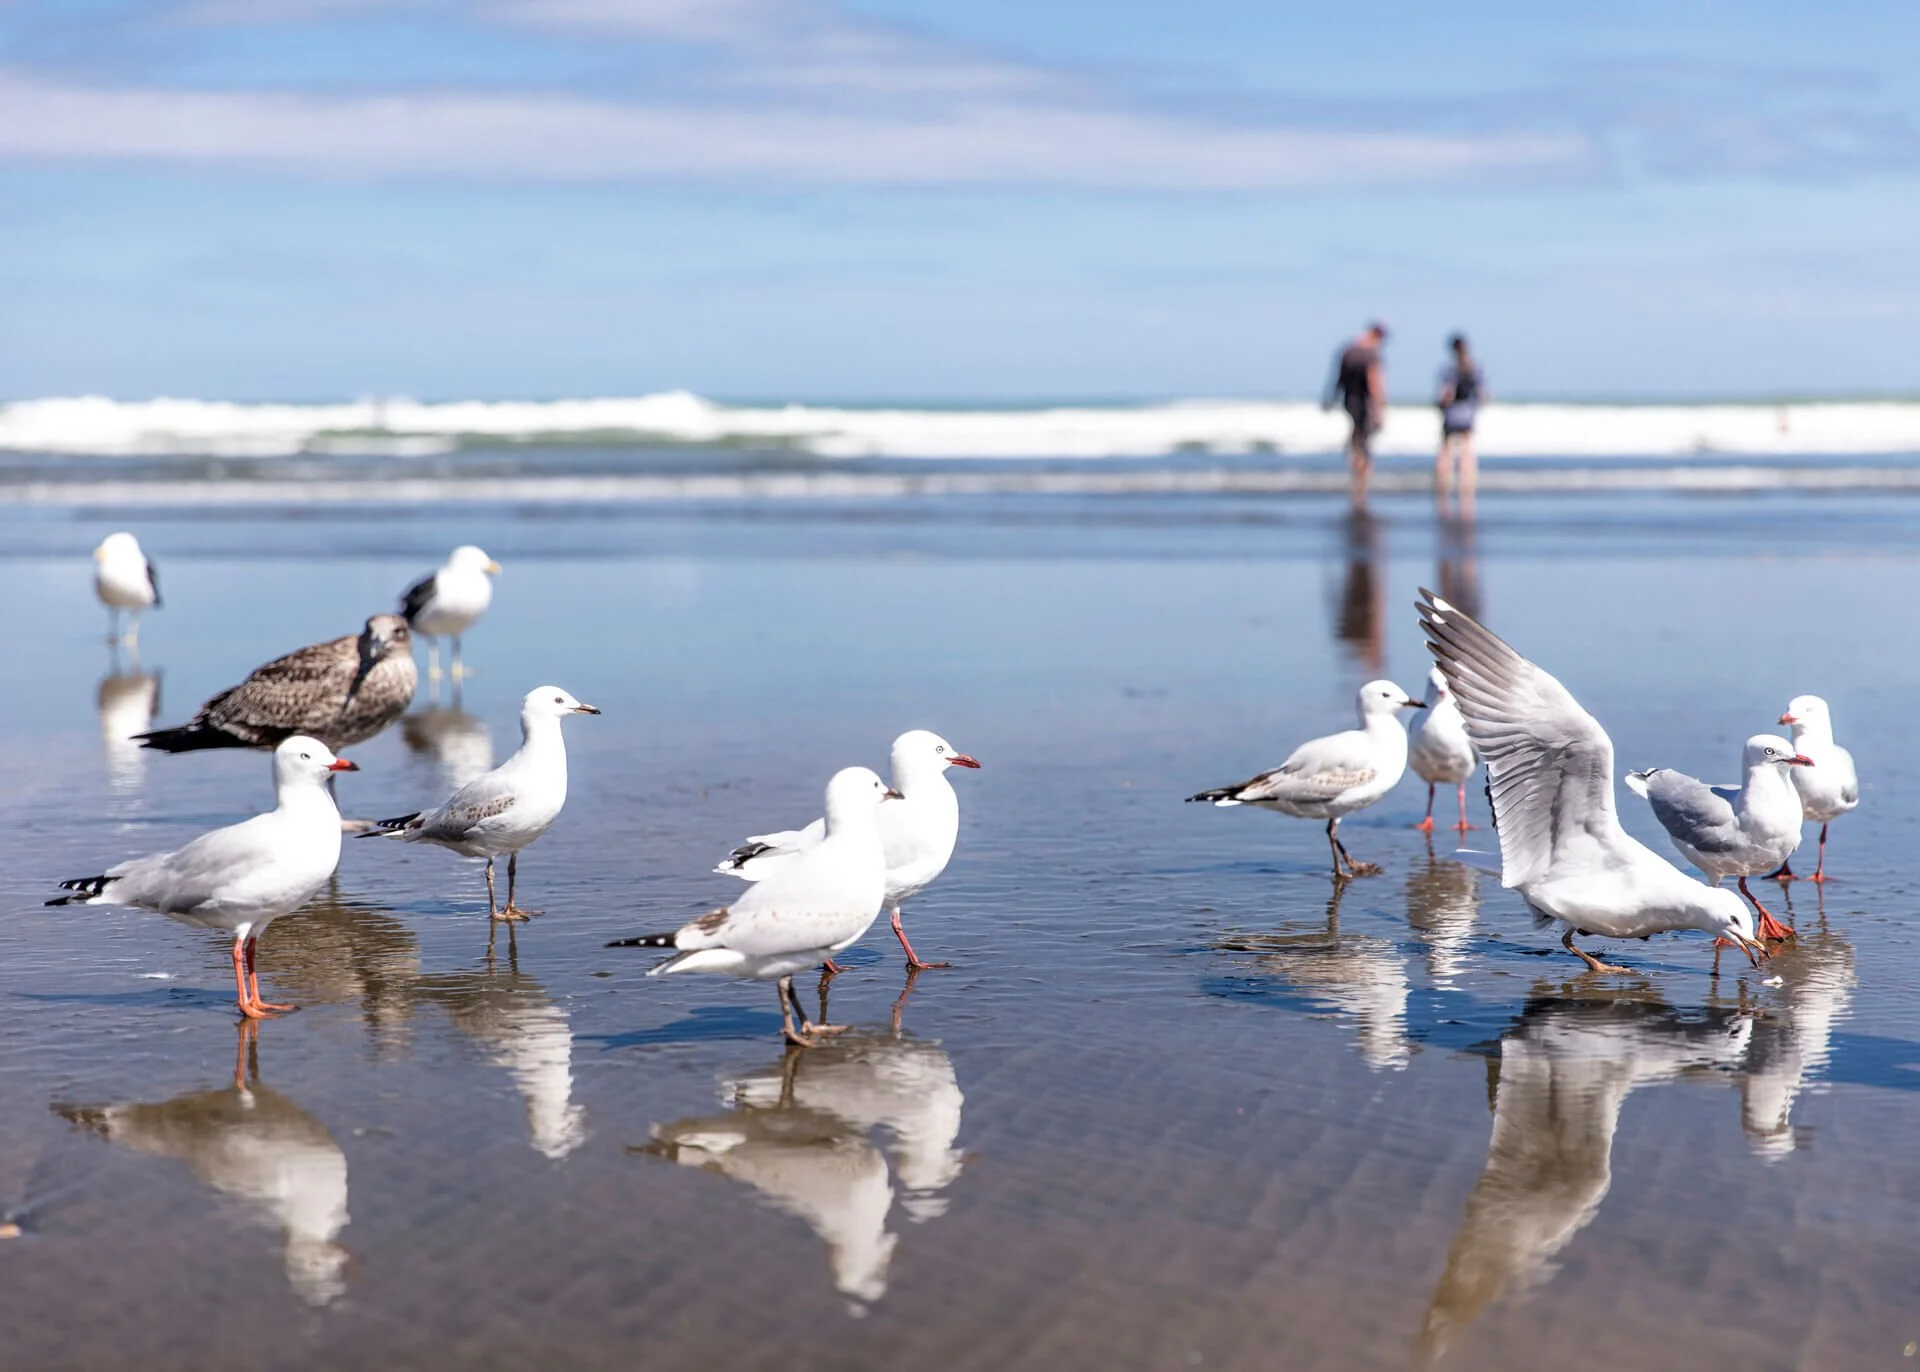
<point>1329,778</point>
<point>241,878</point>
<point>341,692</point>
<point>918,834</point>
<point>1439,750</point>
<point>813,907</point>
<point>446,604</point>
<point>1550,780</point>
<point>502,812</point>
<point>1830,787</point>
<point>124,580</point>
<point>1729,831</point>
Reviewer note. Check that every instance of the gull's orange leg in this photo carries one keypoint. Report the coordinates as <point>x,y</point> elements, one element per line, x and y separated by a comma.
<point>253,982</point>
<point>1769,928</point>
<point>1425,826</point>
<point>1820,868</point>
<point>1463,826</point>
<point>913,959</point>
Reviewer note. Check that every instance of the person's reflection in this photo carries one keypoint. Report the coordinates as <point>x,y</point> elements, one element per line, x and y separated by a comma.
<point>1557,1084</point>
<point>1459,571</point>
<point>128,699</point>
<point>1789,1048</point>
<point>1359,626</point>
<point>339,949</point>
<point>521,1029</point>
<point>800,1132</point>
<point>1443,898</point>
<point>459,742</point>
<point>249,1141</point>
<point>1362,976</point>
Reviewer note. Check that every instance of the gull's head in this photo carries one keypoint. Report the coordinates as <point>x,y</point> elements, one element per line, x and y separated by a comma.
<point>551,702</point>
<point>1803,713</point>
<point>117,546</point>
<point>921,750</point>
<point>1729,918</point>
<point>386,635</point>
<point>1383,699</point>
<point>855,791</point>
<point>467,558</point>
<point>1437,688</point>
<point>1770,750</point>
<point>301,758</point>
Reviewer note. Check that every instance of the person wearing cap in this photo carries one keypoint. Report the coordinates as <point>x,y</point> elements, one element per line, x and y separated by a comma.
<point>1360,386</point>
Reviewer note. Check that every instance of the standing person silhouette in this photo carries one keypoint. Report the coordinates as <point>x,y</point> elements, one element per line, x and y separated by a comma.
<point>1360,386</point>
<point>1462,391</point>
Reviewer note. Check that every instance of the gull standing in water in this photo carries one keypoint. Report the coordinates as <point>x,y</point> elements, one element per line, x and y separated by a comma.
<point>1550,780</point>
<point>124,580</point>
<point>813,907</point>
<point>1439,750</point>
<point>918,834</point>
<point>241,878</point>
<point>1729,831</point>
<point>341,692</point>
<point>1830,787</point>
<point>502,812</point>
<point>1329,778</point>
<point>446,604</point>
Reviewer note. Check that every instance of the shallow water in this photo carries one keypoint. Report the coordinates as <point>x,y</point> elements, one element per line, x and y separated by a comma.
<point>1178,1103</point>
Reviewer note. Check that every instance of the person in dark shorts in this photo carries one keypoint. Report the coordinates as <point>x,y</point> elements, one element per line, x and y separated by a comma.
<point>1462,391</point>
<point>1360,388</point>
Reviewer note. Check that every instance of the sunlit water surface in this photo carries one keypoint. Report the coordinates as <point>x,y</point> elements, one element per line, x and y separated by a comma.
<point>1178,1103</point>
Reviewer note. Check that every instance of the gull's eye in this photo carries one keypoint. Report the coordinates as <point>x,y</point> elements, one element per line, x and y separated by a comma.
<point>306,757</point>
<point>558,701</point>
<point>940,748</point>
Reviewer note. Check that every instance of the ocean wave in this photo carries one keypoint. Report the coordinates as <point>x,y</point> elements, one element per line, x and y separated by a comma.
<point>403,429</point>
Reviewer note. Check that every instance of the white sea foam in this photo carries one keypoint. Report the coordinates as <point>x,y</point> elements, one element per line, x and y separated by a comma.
<point>407,428</point>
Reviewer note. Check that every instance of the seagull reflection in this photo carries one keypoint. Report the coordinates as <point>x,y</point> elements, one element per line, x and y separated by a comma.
<point>1363,976</point>
<point>251,1142</point>
<point>461,743</point>
<point>1818,967</point>
<point>1559,1080</point>
<point>800,1133</point>
<point>521,1029</point>
<point>1443,897</point>
<point>341,950</point>
<point>128,701</point>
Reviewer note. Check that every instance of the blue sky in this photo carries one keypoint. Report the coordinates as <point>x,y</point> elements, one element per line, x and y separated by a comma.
<point>896,199</point>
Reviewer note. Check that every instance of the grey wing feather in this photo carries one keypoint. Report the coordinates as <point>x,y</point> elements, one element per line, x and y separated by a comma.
<point>289,695</point>
<point>472,805</point>
<point>1318,769</point>
<point>1549,763</point>
<point>1698,815</point>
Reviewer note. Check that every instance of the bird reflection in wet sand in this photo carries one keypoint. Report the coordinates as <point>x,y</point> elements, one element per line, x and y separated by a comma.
<point>128,699</point>
<point>1557,1084</point>
<point>342,949</point>
<point>1360,623</point>
<point>800,1133</point>
<point>1443,899</point>
<point>249,1141</point>
<point>1362,976</point>
<point>1791,1048</point>
<point>461,743</point>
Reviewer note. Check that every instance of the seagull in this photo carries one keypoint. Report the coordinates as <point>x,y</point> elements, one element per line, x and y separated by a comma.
<point>918,835</point>
<point>1729,831</point>
<point>446,604</point>
<point>816,905</point>
<point>123,578</point>
<point>1550,780</point>
<point>508,808</point>
<point>243,877</point>
<point>1329,778</point>
<point>341,692</point>
<point>1831,787</point>
<point>1439,750</point>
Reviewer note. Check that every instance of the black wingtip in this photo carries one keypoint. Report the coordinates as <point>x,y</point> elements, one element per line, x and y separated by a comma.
<point>644,941</point>
<point>1218,793</point>
<point>382,828</point>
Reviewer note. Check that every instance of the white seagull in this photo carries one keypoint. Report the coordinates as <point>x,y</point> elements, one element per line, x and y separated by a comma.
<point>123,578</point>
<point>1829,788</point>
<point>1439,750</point>
<point>1550,779</point>
<point>918,835</point>
<point>1733,831</point>
<point>241,878</point>
<point>1329,778</point>
<point>813,907</point>
<point>446,604</point>
<point>502,812</point>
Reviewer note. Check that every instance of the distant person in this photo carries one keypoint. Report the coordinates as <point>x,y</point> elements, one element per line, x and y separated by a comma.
<point>1462,391</point>
<point>1360,387</point>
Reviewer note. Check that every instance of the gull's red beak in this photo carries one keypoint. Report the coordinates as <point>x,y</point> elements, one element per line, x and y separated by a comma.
<point>962,760</point>
<point>1788,719</point>
<point>1800,760</point>
<point>340,764</point>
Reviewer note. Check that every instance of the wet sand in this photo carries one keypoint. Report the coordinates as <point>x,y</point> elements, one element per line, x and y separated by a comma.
<point>1175,1105</point>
